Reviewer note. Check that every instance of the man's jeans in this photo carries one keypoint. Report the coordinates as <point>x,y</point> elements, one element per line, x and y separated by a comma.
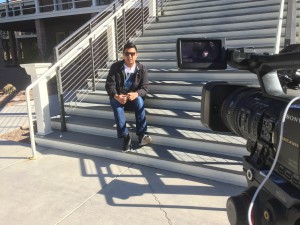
<point>136,106</point>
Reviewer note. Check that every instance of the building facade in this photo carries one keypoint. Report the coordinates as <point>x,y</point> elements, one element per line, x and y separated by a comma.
<point>30,29</point>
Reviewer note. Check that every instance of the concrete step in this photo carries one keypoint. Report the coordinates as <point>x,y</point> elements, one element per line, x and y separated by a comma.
<point>146,44</point>
<point>162,116</point>
<point>221,6</point>
<point>209,166</point>
<point>160,63</point>
<point>214,20</point>
<point>245,34</point>
<point>164,87</point>
<point>175,4</point>
<point>183,27</point>
<point>173,101</point>
<point>192,76</point>
<point>191,139</point>
<point>202,76</point>
<point>155,53</point>
<point>261,10</point>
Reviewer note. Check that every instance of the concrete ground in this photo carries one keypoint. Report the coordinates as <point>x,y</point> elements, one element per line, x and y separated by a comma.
<point>68,188</point>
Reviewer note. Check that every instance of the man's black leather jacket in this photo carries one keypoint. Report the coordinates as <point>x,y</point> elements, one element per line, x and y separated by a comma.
<point>116,76</point>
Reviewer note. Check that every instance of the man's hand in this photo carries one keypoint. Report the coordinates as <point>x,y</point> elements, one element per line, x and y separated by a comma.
<point>121,98</point>
<point>132,95</point>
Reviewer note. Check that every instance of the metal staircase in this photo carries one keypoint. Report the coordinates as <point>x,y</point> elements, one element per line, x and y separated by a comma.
<point>180,142</point>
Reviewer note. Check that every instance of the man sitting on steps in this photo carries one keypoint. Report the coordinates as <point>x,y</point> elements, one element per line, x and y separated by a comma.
<point>127,86</point>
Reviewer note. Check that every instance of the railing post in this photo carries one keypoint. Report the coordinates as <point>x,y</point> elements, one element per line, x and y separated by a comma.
<point>21,8</point>
<point>92,64</point>
<point>290,28</point>
<point>111,46</point>
<point>40,94</point>
<point>116,33</point>
<point>7,9</point>
<point>279,27</point>
<point>124,23</point>
<point>54,5</point>
<point>142,7</point>
<point>156,8</point>
<point>37,6</point>
<point>152,9</point>
<point>63,127</point>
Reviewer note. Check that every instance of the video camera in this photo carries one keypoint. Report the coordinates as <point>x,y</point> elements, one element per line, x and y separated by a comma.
<point>256,114</point>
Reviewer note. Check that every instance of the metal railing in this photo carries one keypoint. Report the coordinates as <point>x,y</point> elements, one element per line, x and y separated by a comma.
<point>84,57</point>
<point>26,7</point>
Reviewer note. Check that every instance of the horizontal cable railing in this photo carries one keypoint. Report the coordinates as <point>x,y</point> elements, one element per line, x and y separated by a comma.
<point>82,62</point>
<point>62,48</point>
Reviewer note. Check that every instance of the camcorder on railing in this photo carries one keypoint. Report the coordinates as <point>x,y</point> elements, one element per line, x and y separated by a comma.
<point>266,116</point>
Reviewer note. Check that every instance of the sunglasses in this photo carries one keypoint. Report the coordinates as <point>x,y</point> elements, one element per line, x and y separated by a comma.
<point>129,53</point>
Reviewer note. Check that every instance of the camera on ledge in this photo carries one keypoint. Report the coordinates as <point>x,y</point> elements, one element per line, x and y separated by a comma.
<point>255,113</point>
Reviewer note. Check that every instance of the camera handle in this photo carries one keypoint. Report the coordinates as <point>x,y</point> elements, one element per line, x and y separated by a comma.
<point>265,67</point>
<point>270,84</point>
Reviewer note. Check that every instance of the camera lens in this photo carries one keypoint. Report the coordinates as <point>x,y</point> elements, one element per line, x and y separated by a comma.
<point>236,109</point>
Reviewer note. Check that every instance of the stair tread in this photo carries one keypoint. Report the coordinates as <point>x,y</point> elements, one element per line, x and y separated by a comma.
<point>163,153</point>
<point>212,27</point>
<point>215,32</point>
<point>155,82</point>
<point>176,70</point>
<point>219,7</point>
<point>164,112</point>
<point>163,130</point>
<point>206,20</point>
<point>159,96</point>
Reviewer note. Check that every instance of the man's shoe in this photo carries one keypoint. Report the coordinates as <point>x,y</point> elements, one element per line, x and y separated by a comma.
<point>126,143</point>
<point>144,140</point>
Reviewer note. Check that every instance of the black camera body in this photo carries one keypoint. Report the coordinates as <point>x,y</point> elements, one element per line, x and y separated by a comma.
<point>255,113</point>
<point>251,114</point>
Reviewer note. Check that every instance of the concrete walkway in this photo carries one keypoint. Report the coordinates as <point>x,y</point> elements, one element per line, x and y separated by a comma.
<point>68,188</point>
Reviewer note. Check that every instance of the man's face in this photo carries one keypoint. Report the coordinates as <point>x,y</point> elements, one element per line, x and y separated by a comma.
<point>130,55</point>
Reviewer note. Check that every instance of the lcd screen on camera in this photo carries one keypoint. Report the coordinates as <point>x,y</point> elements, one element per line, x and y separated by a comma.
<point>201,53</point>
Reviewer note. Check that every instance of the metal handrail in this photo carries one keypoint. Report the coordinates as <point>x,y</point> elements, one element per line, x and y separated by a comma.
<point>70,54</point>
<point>79,31</point>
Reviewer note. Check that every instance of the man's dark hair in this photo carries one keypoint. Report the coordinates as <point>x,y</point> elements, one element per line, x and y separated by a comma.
<point>129,45</point>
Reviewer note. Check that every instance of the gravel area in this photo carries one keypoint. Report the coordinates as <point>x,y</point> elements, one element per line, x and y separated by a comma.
<point>19,135</point>
<point>17,77</point>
